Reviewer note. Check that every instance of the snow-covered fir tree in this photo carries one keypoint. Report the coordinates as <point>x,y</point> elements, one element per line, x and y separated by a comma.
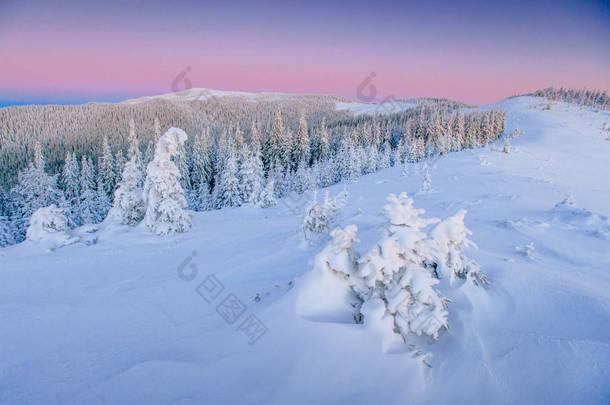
<point>106,174</point>
<point>303,178</point>
<point>227,191</point>
<point>277,151</point>
<point>250,177</point>
<point>315,221</point>
<point>47,222</point>
<point>449,238</point>
<point>128,205</point>
<point>202,172</point>
<point>323,145</point>
<point>267,196</point>
<point>163,195</point>
<point>6,227</point>
<point>394,270</point>
<point>35,189</point>
<point>70,184</point>
<point>301,150</point>
<point>426,185</point>
<point>88,196</point>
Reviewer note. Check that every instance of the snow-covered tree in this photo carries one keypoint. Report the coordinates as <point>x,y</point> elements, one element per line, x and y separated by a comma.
<point>46,220</point>
<point>128,205</point>
<point>267,196</point>
<point>163,195</point>
<point>449,238</point>
<point>88,196</point>
<point>315,220</point>
<point>106,174</point>
<point>427,181</point>
<point>133,151</point>
<point>301,150</point>
<point>506,147</point>
<point>250,177</point>
<point>323,145</point>
<point>6,231</point>
<point>35,189</point>
<point>70,183</point>
<point>319,218</point>
<point>49,225</point>
<point>103,202</point>
<point>302,179</point>
<point>277,151</point>
<point>227,191</point>
<point>394,270</point>
<point>202,173</point>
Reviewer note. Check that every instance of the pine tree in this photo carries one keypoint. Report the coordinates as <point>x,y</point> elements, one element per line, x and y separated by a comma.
<point>128,205</point>
<point>315,221</point>
<point>427,181</point>
<point>163,195</point>
<point>88,197</point>
<point>70,183</point>
<point>267,196</point>
<point>395,271</point>
<point>202,172</point>
<point>277,151</point>
<point>458,131</point>
<point>249,178</point>
<point>300,150</point>
<point>449,238</point>
<point>302,178</point>
<point>323,151</point>
<point>106,170</point>
<point>133,152</point>
<point>227,186</point>
<point>103,202</point>
<point>6,232</point>
<point>35,189</point>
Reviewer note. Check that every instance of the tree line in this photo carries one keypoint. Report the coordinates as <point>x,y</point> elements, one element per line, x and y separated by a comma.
<point>226,163</point>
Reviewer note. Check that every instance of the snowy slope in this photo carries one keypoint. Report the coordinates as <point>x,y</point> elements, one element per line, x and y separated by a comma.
<point>202,94</point>
<point>114,323</point>
<point>390,107</point>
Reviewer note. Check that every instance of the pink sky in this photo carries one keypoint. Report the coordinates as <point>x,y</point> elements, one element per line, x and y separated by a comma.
<point>121,53</point>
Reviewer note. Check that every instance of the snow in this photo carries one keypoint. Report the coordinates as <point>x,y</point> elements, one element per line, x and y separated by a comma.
<point>202,94</point>
<point>388,107</point>
<point>112,322</point>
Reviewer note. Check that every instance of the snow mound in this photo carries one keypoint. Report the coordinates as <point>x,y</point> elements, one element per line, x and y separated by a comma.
<point>49,226</point>
<point>326,294</point>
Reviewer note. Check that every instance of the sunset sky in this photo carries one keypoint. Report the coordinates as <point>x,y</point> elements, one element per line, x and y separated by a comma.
<point>473,51</point>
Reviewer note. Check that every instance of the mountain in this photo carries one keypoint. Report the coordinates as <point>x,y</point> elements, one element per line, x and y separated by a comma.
<point>117,321</point>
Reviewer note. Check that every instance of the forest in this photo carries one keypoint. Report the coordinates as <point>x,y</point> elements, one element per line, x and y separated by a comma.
<point>237,151</point>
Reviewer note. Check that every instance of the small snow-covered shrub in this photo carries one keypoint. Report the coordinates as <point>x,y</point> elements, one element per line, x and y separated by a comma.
<point>318,218</point>
<point>49,225</point>
<point>526,250</point>
<point>402,270</point>
<point>46,221</point>
<point>426,182</point>
<point>449,238</point>
<point>315,220</point>
<point>396,271</point>
<point>266,197</point>
<point>569,201</point>
<point>506,147</point>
